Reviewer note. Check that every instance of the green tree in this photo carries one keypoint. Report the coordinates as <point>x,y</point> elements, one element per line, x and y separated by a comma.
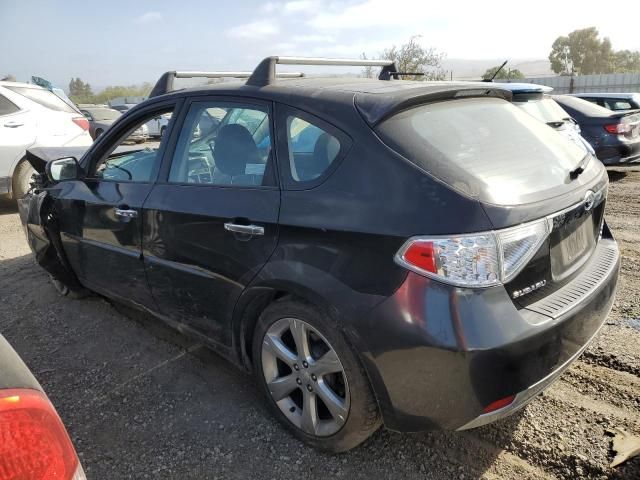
<point>413,57</point>
<point>80,92</point>
<point>112,92</point>
<point>505,74</point>
<point>626,61</point>
<point>582,52</point>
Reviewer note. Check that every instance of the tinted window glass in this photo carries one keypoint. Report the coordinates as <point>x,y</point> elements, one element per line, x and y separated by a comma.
<point>485,147</point>
<point>7,107</point>
<point>615,104</point>
<point>223,144</point>
<point>583,106</point>
<point>311,149</point>
<point>44,98</point>
<point>129,161</point>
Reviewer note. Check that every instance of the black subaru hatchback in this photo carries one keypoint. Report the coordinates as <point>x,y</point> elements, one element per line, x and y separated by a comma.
<point>423,255</point>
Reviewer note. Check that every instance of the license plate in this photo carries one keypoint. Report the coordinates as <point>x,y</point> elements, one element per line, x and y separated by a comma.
<point>575,245</point>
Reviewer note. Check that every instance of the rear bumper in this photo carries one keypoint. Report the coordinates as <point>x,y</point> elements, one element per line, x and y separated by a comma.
<point>438,355</point>
<point>621,153</point>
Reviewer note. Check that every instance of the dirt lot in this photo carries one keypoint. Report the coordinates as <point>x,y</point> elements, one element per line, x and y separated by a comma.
<point>142,402</point>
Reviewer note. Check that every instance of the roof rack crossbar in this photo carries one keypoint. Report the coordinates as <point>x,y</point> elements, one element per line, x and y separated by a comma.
<point>265,72</point>
<point>165,82</point>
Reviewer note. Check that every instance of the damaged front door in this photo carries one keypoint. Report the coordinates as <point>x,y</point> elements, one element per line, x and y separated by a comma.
<point>101,215</point>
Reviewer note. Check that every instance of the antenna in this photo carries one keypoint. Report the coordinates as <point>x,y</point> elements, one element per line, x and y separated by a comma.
<point>495,73</point>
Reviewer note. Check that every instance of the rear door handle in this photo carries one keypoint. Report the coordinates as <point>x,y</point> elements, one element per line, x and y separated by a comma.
<point>125,213</point>
<point>246,229</point>
<point>13,124</point>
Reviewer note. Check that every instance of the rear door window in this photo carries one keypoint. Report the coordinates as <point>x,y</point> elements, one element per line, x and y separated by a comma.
<point>45,98</point>
<point>312,150</point>
<point>486,148</point>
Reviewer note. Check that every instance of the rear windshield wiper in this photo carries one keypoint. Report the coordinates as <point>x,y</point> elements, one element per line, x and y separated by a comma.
<point>573,174</point>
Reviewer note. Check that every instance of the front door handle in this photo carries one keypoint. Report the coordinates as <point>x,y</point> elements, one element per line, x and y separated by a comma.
<point>13,124</point>
<point>246,229</point>
<point>125,213</point>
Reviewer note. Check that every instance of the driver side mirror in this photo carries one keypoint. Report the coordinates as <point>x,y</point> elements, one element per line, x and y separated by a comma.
<point>63,169</point>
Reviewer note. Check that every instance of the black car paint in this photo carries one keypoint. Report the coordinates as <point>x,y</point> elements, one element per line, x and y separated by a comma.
<point>611,149</point>
<point>330,247</point>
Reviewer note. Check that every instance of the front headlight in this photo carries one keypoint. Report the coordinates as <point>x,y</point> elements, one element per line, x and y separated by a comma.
<point>474,260</point>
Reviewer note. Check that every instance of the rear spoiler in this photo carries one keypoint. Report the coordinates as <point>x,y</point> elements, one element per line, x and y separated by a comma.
<point>628,113</point>
<point>376,108</point>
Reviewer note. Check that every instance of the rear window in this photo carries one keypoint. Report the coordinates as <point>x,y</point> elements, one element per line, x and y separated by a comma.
<point>44,98</point>
<point>545,110</point>
<point>486,148</point>
<point>584,106</point>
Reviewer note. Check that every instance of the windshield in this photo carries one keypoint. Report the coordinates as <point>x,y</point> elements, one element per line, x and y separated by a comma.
<point>486,148</point>
<point>103,113</point>
<point>546,110</point>
<point>44,98</point>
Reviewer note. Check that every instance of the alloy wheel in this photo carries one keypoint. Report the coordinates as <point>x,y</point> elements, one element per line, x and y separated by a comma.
<point>305,377</point>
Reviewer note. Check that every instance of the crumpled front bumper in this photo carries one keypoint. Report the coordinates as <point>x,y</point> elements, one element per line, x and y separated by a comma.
<point>43,236</point>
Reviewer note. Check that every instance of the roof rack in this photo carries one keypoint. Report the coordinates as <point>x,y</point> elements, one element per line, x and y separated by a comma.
<point>265,72</point>
<point>165,82</point>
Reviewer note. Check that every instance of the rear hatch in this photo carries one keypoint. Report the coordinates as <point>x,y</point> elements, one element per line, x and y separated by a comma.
<point>518,168</point>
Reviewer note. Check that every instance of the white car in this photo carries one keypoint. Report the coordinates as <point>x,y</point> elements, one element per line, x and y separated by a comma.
<point>31,116</point>
<point>158,125</point>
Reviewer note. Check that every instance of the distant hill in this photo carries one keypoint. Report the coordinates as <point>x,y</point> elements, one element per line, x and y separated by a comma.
<point>464,69</point>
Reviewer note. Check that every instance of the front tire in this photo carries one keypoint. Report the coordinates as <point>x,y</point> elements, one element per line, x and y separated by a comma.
<point>21,179</point>
<point>65,291</point>
<point>311,378</point>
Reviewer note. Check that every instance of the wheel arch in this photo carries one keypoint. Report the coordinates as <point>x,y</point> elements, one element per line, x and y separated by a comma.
<point>256,299</point>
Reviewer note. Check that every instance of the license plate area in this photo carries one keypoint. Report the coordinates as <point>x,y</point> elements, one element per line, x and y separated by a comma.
<point>572,242</point>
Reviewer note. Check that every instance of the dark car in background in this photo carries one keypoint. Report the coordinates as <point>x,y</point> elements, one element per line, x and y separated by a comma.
<point>615,136</point>
<point>613,101</point>
<point>537,102</point>
<point>34,444</point>
<point>423,255</point>
<point>101,118</point>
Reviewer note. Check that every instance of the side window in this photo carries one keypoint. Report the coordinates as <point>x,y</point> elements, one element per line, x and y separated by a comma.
<point>224,144</point>
<point>134,156</point>
<point>6,106</point>
<point>311,149</point>
<point>617,104</point>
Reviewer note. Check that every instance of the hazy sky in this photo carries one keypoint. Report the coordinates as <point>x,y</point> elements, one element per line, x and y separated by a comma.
<point>126,42</point>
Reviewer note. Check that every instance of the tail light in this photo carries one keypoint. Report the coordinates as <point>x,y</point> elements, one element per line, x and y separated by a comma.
<point>618,128</point>
<point>34,444</point>
<point>82,122</point>
<point>474,260</point>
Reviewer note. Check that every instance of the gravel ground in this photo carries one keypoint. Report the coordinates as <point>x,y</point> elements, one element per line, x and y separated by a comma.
<point>140,401</point>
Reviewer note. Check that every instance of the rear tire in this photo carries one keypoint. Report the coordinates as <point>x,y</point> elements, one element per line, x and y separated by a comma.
<point>21,179</point>
<point>327,377</point>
